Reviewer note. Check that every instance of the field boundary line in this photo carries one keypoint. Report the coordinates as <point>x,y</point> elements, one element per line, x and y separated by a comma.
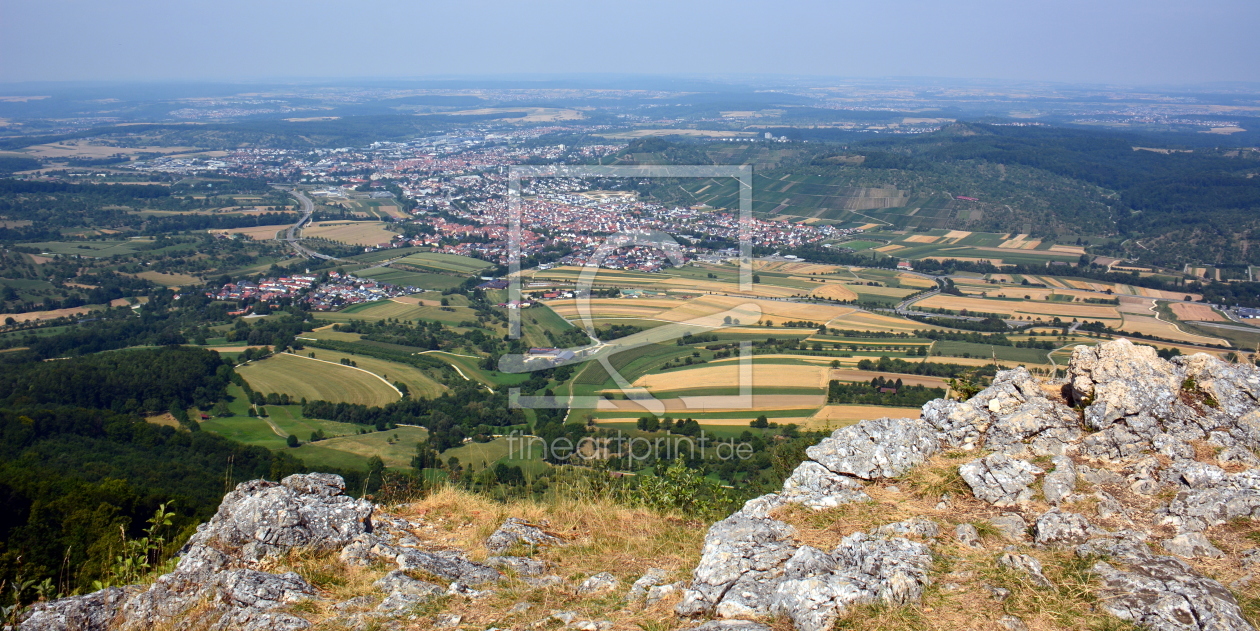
<point>1152,309</point>
<point>447,353</point>
<point>383,380</point>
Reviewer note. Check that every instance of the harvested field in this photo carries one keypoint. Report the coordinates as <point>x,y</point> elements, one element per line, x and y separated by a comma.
<point>954,236</point>
<point>760,402</point>
<point>910,280</point>
<point>867,321</point>
<point>892,247</point>
<point>769,309</point>
<point>1148,325</point>
<point>315,380</point>
<point>352,232</point>
<point>416,300</point>
<point>793,267</point>
<point>614,307</point>
<point>168,280</point>
<point>1134,304</point>
<point>32,316</point>
<point>921,238</point>
<point>972,259</point>
<point>1015,243</point>
<point>1046,310</point>
<point>727,376</point>
<point>840,415</point>
<point>1186,311</point>
<point>1165,295</point>
<point>257,233</point>
<point>832,291</point>
<point>1068,249</point>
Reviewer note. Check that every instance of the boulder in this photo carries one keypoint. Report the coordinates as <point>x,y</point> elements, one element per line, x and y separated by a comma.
<point>1059,483</point>
<point>817,487</point>
<point>448,565</point>
<point>91,612</point>
<point>999,479</point>
<point>598,584</point>
<point>740,566</point>
<point>1058,527</point>
<point>880,448</point>
<point>1026,565</point>
<point>516,531</point>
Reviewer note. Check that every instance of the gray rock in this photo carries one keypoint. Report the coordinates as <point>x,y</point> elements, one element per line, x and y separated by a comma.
<point>520,607</point>
<point>522,566</point>
<point>358,602</point>
<point>1249,557</point>
<point>551,580</point>
<point>447,620</point>
<point>999,594</point>
<point>1011,623</point>
<point>398,581</point>
<point>817,487</point>
<point>1164,594</point>
<point>967,535</point>
<point>1059,483</point>
<point>401,602</point>
<point>917,526</point>
<point>516,531</point>
<point>254,620</point>
<point>1011,525</point>
<point>448,565</point>
<point>251,589</point>
<point>598,584</point>
<point>880,448</point>
<point>639,589</point>
<point>999,479</point>
<point>564,617</point>
<point>1191,545</point>
<point>740,566</point>
<point>657,593</point>
<point>1238,455</point>
<point>730,625</point>
<point>1057,527</point>
<point>260,518</point>
<point>92,612</point>
<point>591,625</point>
<point>1027,565</point>
<point>816,590</point>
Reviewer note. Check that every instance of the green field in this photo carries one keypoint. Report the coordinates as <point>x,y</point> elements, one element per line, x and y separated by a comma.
<point>300,377</point>
<point>446,262</point>
<point>418,383</point>
<point>354,450</point>
<point>1005,353</point>
<point>411,279</point>
<point>383,309</point>
<point>88,248</point>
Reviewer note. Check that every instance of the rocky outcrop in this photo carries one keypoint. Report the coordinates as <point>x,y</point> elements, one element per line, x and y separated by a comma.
<point>518,532</point>
<point>1124,419</point>
<point>882,448</point>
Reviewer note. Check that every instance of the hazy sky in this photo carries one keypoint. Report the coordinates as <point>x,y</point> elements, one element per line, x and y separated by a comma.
<point>1095,41</point>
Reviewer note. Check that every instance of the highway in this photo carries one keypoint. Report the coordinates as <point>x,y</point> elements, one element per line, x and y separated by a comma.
<point>291,235</point>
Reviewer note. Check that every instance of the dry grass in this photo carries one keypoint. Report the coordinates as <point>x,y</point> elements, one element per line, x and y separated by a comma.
<point>603,537</point>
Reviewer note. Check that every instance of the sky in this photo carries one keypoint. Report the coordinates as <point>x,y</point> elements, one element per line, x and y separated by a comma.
<point>1118,42</point>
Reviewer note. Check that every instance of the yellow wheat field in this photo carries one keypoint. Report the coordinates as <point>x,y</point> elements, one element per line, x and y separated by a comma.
<point>1187,311</point>
<point>769,309</point>
<point>890,248</point>
<point>1030,307</point>
<point>922,238</point>
<point>832,291</point>
<point>910,280</point>
<point>354,232</point>
<point>1148,325</point>
<point>728,375</point>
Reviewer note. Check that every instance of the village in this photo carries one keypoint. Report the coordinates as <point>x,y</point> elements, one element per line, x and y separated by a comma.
<point>338,291</point>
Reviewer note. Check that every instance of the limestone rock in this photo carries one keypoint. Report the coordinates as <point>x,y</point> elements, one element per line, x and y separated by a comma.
<point>817,487</point>
<point>397,581</point>
<point>1192,544</point>
<point>740,566</point>
<point>598,584</point>
<point>516,531</point>
<point>999,479</point>
<point>967,535</point>
<point>917,526</point>
<point>1161,592</point>
<point>91,612</point>
<point>1011,525</point>
<point>1059,483</point>
<point>1027,565</point>
<point>639,589</point>
<point>259,518</point>
<point>1057,527</point>
<point>880,448</point>
<point>730,625</point>
<point>523,566</point>
<point>447,564</point>
<point>817,587</point>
